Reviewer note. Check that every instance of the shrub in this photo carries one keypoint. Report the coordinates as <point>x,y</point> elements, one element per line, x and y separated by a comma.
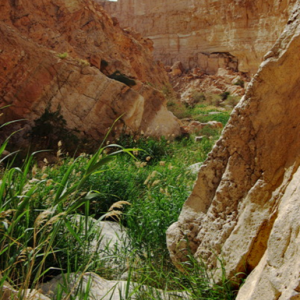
<point>51,128</point>
<point>224,95</point>
<point>198,97</point>
<point>240,82</point>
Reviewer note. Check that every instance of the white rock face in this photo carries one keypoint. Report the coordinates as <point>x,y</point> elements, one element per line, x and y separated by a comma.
<point>245,205</point>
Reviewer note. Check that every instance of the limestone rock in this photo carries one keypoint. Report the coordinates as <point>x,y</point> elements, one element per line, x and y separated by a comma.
<point>7,292</point>
<point>91,286</point>
<point>108,235</point>
<point>244,207</point>
<point>206,34</point>
<point>109,242</point>
<point>46,51</point>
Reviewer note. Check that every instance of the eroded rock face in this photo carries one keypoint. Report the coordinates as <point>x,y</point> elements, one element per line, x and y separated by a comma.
<point>245,205</point>
<point>208,34</point>
<point>63,54</point>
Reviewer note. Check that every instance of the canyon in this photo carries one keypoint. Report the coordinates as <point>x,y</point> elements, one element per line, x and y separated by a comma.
<point>206,33</point>
<point>71,58</point>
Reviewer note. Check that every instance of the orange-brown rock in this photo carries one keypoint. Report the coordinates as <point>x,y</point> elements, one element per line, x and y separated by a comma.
<point>62,53</point>
<point>206,33</point>
<point>245,205</point>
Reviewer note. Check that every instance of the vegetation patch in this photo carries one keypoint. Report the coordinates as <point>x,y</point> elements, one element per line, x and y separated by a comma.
<point>39,239</point>
<point>51,128</point>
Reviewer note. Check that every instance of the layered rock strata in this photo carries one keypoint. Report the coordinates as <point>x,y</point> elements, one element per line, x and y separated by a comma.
<point>203,33</point>
<point>245,205</point>
<point>66,55</point>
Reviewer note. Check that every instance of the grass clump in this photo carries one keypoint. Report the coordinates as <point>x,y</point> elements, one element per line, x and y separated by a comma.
<point>62,55</point>
<point>210,107</point>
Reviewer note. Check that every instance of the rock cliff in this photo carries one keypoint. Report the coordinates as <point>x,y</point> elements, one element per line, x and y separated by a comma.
<point>70,55</point>
<point>245,205</point>
<point>206,33</point>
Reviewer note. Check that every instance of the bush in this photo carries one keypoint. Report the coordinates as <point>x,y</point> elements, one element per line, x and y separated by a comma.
<point>197,97</point>
<point>240,82</point>
<point>51,128</point>
<point>224,95</point>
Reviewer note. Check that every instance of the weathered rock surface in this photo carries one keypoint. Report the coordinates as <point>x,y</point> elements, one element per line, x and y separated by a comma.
<point>60,54</point>
<point>245,205</point>
<point>207,34</point>
<point>91,286</point>
<point>190,85</point>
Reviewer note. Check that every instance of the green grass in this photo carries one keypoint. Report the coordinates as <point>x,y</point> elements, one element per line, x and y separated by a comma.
<point>205,104</point>
<point>39,238</point>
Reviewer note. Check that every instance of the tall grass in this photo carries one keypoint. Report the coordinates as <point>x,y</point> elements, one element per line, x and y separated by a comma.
<point>34,210</point>
<point>40,237</point>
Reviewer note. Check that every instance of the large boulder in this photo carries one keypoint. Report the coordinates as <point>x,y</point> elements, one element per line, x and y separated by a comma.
<point>245,205</point>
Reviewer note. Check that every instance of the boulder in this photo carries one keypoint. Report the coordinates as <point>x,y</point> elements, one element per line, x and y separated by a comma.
<point>177,69</point>
<point>90,286</point>
<point>110,242</point>
<point>244,208</point>
<point>7,292</point>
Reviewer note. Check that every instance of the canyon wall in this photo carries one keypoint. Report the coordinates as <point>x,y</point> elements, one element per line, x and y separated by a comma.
<point>190,31</point>
<point>244,208</point>
<point>71,56</point>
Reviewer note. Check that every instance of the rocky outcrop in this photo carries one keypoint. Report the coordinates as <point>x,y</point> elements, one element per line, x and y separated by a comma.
<point>207,34</point>
<point>72,57</point>
<point>245,206</point>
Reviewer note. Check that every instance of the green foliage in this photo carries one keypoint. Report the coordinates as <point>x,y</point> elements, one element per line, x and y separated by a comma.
<point>50,128</point>
<point>41,237</point>
<point>197,97</point>
<point>210,108</point>
<point>240,82</point>
<point>62,55</point>
<point>117,75</point>
<point>222,117</point>
<point>34,210</point>
<point>224,95</point>
<point>157,149</point>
